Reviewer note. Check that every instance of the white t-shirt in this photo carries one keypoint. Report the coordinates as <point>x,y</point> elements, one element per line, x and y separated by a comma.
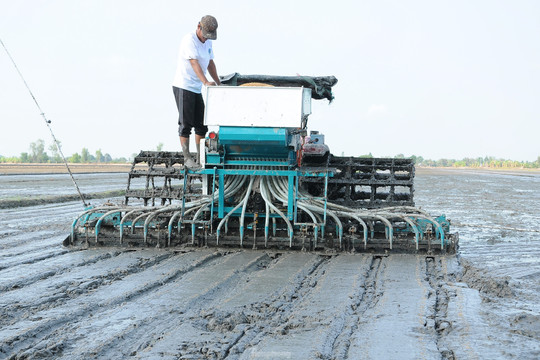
<point>192,48</point>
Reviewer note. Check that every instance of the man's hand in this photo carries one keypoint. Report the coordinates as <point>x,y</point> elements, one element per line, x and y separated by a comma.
<point>213,72</point>
<point>198,71</point>
<point>200,74</point>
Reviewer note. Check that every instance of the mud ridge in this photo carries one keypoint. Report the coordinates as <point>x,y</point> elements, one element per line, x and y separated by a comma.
<point>273,314</point>
<point>36,245</point>
<point>70,289</point>
<point>481,280</point>
<point>154,325</point>
<point>25,241</point>
<point>438,321</point>
<point>43,273</point>
<point>246,324</point>
<point>42,326</point>
<point>40,256</point>
<point>56,199</point>
<point>526,324</point>
<point>244,327</point>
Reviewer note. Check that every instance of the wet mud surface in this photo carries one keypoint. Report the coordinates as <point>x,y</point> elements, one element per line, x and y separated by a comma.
<point>243,304</point>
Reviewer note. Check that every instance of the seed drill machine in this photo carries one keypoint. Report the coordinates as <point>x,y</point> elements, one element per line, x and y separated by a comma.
<point>266,182</point>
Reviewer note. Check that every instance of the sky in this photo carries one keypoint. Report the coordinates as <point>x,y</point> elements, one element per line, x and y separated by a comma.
<point>437,79</point>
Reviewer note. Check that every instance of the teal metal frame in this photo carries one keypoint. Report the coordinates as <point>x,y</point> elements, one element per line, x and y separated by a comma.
<point>292,175</point>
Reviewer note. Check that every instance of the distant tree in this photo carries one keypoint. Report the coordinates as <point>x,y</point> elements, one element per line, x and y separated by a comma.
<point>75,158</point>
<point>25,157</point>
<point>159,147</point>
<point>443,162</point>
<point>37,150</point>
<point>99,156</point>
<point>55,154</point>
<point>480,161</point>
<point>10,159</point>
<point>85,155</point>
<point>107,158</point>
<point>399,156</point>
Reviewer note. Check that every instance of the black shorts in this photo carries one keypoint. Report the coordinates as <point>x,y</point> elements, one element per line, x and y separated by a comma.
<point>190,112</point>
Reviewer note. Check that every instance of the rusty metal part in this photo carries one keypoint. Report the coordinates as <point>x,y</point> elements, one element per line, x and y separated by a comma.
<point>161,173</point>
<point>369,183</point>
<point>189,221</point>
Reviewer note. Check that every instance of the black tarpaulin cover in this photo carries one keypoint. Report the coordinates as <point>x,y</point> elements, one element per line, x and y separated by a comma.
<point>321,86</point>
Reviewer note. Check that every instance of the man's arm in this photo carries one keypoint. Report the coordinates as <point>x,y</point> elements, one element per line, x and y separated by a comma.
<point>198,71</point>
<point>213,71</point>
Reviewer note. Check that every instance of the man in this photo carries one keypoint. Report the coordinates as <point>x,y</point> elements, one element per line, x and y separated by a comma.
<point>195,58</point>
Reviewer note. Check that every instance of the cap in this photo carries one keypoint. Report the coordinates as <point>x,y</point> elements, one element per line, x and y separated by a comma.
<point>209,27</point>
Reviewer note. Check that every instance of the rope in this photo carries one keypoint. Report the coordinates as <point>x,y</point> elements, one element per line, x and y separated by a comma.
<point>496,227</point>
<point>48,123</point>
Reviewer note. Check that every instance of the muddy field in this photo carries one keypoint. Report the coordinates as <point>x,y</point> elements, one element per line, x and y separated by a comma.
<point>242,304</point>
<point>29,169</point>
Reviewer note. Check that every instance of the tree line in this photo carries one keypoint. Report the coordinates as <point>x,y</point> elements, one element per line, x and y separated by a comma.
<point>37,154</point>
<point>479,162</point>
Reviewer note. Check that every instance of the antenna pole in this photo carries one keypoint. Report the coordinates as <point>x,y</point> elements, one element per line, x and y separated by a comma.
<point>48,123</point>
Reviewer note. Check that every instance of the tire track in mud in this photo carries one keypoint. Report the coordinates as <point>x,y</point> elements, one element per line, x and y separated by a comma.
<point>53,292</point>
<point>31,216</point>
<point>29,225</point>
<point>27,241</point>
<point>438,322</point>
<point>253,307</point>
<point>366,296</point>
<point>394,324</point>
<point>40,270</point>
<point>147,328</point>
<point>308,320</point>
<point>33,257</point>
<point>23,336</point>
<point>276,311</point>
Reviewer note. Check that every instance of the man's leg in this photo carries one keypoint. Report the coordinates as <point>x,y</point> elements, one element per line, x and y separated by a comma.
<point>184,142</point>
<point>188,160</point>
<point>186,103</point>
<point>198,139</point>
<point>200,128</point>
